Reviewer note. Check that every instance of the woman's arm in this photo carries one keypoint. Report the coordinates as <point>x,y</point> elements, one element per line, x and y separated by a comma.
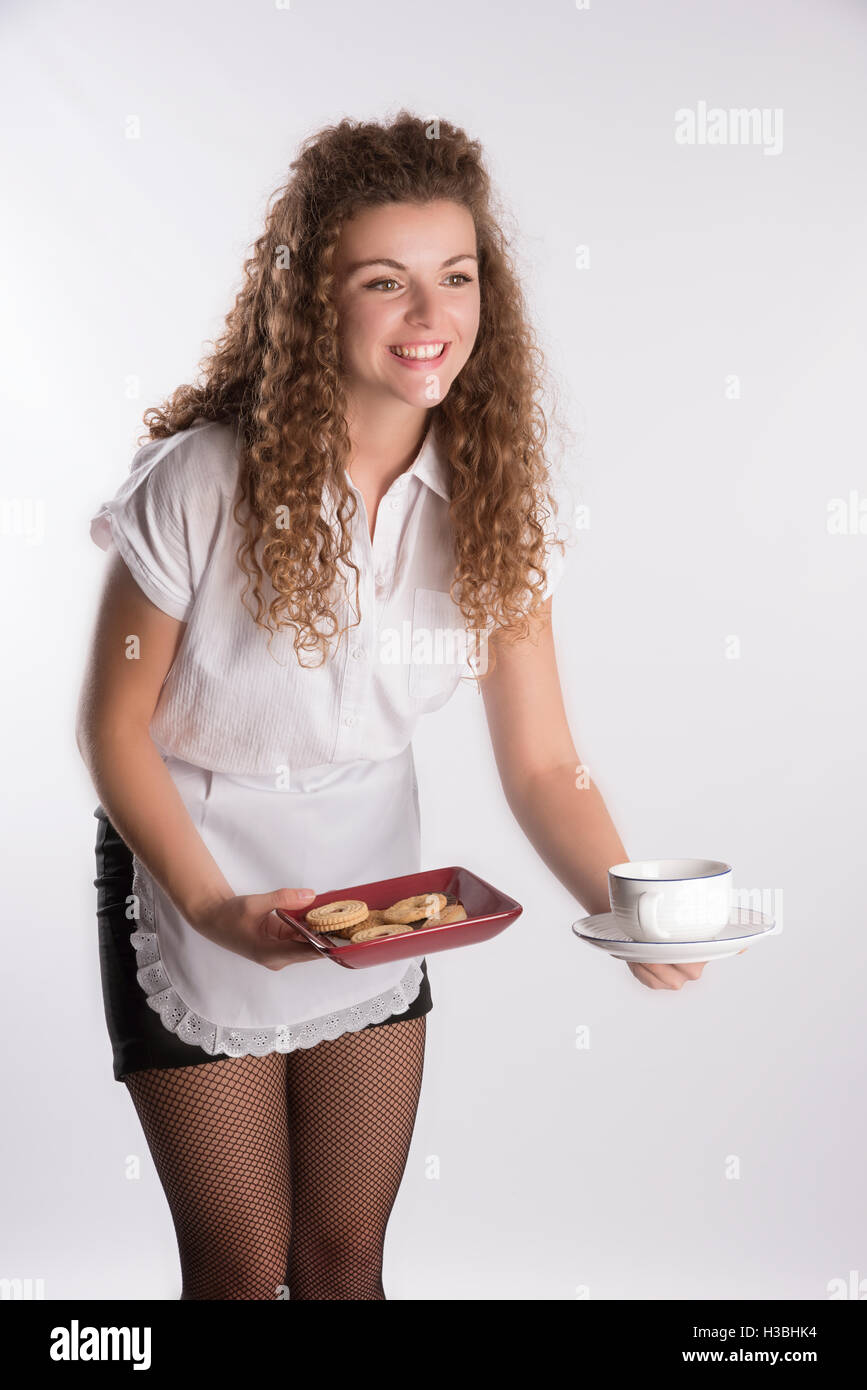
<point>132,650</point>
<point>541,774</point>
<point>540,771</point>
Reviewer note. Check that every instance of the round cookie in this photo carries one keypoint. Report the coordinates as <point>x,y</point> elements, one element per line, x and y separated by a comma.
<point>343,913</point>
<point>456,912</point>
<point>411,909</point>
<point>374,918</point>
<point>363,932</point>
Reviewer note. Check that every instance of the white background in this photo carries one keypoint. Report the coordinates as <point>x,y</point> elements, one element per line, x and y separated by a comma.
<point>564,1172</point>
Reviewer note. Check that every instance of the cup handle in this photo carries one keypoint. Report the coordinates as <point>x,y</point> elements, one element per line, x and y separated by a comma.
<point>647,908</point>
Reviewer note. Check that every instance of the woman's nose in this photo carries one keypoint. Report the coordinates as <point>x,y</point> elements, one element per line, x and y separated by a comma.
<point>420,310</point>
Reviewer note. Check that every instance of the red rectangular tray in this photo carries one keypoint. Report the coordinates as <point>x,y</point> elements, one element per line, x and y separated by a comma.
<point>488,912</point>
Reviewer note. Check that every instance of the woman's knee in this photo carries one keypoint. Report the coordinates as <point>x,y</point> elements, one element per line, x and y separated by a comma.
<point>241,1273</point>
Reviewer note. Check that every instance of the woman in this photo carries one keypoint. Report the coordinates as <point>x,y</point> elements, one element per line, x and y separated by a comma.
<point>365,454</point>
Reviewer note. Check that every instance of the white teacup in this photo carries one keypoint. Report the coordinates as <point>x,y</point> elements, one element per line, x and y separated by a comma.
<point>671,899</point>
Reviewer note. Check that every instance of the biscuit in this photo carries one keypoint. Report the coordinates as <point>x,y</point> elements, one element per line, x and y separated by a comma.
<point>364,932</point>
<point>455,913</point>
<point>412,909</point>
<point>338,914</point>
<point>374,918</point>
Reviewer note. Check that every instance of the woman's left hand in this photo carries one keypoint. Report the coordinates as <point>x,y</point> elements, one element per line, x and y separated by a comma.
<point>668,976</point>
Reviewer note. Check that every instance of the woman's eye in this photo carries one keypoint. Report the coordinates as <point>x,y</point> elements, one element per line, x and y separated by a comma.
<point>455,275</point>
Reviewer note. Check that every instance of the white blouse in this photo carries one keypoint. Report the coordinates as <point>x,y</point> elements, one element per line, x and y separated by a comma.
<point>294,776</point>
<point>172,522</point>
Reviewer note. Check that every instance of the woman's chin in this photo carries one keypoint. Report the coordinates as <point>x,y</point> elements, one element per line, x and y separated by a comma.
<point>424,391</point>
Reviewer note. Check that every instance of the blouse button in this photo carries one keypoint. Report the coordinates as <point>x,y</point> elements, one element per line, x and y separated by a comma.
<point>357,653</point>
<point>350,720</point>
<point>394,504</point>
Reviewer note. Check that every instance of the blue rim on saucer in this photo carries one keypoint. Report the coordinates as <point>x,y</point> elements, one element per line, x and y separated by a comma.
<point>607,928</point>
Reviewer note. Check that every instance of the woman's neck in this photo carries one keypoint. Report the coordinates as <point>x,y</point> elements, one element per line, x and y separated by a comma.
<point>384,445</point>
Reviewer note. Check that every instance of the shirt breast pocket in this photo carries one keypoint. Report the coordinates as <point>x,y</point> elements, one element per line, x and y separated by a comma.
<point>439,649</point>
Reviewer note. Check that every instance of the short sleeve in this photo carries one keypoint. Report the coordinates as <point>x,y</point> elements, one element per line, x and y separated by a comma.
<point>164,517</point>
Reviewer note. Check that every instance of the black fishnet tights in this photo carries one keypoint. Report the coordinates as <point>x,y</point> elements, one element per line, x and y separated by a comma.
<point>284,1169</point>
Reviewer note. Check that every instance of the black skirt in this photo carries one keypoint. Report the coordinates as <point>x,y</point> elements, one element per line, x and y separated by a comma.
<point>139,1038</point>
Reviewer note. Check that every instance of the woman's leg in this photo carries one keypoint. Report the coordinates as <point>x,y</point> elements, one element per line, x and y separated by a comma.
<point>218,1136</point>
<point>352,1104</point>
<point>216,1130</point>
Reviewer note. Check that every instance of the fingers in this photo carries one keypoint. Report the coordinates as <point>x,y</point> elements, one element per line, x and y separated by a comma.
<point>692,969</point>
<point>278,954</point>
<point>277,929</point>
<point>669,976</point>
<point>645,975</point>
<point>666,976</point>
<point>284,943</point>
<point>274,942</point>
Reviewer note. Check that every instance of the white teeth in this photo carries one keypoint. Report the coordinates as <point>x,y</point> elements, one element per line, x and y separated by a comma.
<point>427,350</point>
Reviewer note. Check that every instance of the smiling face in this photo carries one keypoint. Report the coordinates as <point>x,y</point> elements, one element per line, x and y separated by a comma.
<point>407,292</point>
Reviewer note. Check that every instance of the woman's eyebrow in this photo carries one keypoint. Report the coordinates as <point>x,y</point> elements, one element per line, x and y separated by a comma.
<point>396,265</point>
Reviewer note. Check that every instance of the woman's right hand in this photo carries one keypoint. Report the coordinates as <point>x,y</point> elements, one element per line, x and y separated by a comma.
<point>249,926</point>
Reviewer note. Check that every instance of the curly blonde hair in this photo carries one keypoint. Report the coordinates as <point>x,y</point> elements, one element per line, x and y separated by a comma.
<point>275,375</point>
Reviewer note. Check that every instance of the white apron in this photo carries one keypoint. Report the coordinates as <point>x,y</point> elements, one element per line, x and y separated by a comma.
<point>335,825</point>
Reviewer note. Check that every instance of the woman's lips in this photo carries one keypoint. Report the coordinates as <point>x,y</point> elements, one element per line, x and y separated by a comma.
<point>420,364</point>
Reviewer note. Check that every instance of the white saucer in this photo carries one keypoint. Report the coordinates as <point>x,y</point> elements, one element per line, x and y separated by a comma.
<point>745,926</point>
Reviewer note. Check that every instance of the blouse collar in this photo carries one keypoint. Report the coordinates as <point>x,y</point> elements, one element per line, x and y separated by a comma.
<point>429,465</point>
